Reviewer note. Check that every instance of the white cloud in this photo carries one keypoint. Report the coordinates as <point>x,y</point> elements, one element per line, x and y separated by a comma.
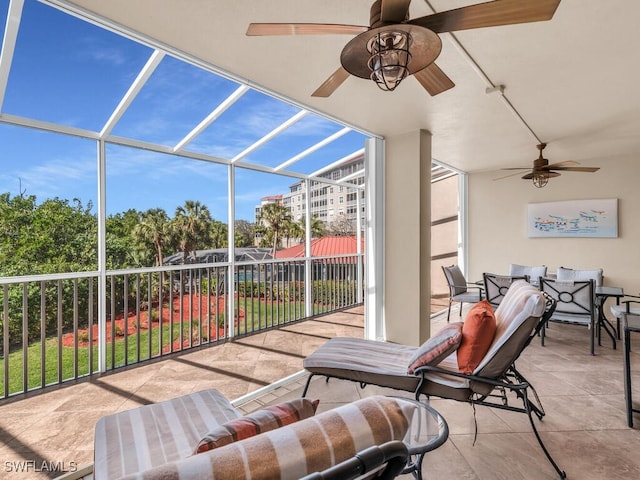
<point>65,178</point>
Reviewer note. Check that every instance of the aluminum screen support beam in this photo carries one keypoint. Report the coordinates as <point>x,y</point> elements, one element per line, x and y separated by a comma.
<point>102,256</point>
<point>308,285</point>
<point>272,134</point>
<point>212,117</point>
<point>231,255</point>
<point>374,180</point>
<point>359,270</point>
<point>313,148</point>
<point>8,44</point>
<point>140,81</point>
<point>337,163</point>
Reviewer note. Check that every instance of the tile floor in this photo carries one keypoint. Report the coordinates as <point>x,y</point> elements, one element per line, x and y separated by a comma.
<point>585,428</point>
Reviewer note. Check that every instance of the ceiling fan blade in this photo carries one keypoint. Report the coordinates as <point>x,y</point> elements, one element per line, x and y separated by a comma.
<point>577,169</point>
<point>510,175</point>
<point>332,83</point>
<point>489,14</point>
<point>394,11</point>
<point>529,176</point>
<point>561,164</point>
<point>516,168</point>
<point>434,80</point>
<point>258,29</point>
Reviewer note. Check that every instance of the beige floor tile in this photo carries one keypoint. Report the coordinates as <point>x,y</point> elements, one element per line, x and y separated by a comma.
<point>584,429</point>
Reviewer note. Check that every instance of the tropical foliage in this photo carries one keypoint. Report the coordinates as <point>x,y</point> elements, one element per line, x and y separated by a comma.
<point>275,225</point>
<point>273,222</point>
<point>61,236</point>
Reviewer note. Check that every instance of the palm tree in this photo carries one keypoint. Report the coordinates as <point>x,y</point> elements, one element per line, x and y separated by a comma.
<point>192,222</point>
<point>218,234</point>
<point>274,218</point>
<point>155,229</point>
<point>317,228</point>
<point>293,230</point>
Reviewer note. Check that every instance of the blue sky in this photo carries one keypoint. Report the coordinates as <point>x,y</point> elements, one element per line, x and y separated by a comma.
<point>73,73</point>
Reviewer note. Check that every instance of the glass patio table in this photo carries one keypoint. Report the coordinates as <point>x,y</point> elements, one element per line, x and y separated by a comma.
<point>428,431</point>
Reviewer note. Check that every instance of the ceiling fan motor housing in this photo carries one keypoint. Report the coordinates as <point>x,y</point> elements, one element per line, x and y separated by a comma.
<point>540,162</point>
<point>375,15</point>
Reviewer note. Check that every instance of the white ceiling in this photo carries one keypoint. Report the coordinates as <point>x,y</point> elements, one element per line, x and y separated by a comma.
<point>573,79</point>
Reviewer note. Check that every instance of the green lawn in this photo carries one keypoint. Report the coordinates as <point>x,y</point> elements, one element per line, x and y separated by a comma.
<point>69,365</point>
<point>258,316</point>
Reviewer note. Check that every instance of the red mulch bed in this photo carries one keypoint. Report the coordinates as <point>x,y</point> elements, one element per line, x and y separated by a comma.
<point>133,323</point>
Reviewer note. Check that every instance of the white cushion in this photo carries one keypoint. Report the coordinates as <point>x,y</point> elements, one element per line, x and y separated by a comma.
<point>619,310</point>
<point>522,301</point>
<point>571,318</point>
<point>534,272</point>
<point>571,275</point>
<point>142,438</point>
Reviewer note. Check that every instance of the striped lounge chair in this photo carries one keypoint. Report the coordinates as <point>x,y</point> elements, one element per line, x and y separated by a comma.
<point>519,317</point>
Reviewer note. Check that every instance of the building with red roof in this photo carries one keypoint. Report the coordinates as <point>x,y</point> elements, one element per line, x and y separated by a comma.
<point>323,247</point>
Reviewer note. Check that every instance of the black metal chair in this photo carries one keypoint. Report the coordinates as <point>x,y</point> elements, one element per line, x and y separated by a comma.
<point>496,286</point>
<point>630,304</point>
<point>459,289</point>
<point>575,304</point>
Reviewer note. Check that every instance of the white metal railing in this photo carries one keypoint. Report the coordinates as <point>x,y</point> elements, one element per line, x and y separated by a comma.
<point>53,332</point>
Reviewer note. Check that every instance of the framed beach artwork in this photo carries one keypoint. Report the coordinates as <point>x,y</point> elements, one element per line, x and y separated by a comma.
<point>574,218</point>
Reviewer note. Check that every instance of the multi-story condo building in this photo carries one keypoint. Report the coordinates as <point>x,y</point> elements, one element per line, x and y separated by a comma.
<point>335,205</point>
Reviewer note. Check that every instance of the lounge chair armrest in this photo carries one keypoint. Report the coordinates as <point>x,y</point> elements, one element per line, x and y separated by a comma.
<point>422,371</point>
<point>394,454</point>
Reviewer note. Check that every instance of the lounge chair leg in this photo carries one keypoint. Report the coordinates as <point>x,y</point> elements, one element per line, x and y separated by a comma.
<point>449,310</point>
<point>529,410</point>
<point>306,385</point>
<point>536,407</point>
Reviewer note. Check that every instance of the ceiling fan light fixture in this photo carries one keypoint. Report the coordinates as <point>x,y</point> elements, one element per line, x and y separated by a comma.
<point>540,179</point>
<point>390,57</point>
<point>390,53</point>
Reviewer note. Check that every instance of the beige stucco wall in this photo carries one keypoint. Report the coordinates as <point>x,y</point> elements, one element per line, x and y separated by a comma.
<point>497,223</point>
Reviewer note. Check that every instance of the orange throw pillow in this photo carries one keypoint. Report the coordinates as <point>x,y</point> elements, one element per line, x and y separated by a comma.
<point>478,331</point>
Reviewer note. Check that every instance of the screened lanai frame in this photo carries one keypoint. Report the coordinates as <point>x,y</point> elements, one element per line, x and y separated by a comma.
<point>105,136</point>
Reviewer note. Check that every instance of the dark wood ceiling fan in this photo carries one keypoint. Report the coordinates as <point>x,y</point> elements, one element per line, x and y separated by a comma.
<point>542,171</point>
<point>395,46</point>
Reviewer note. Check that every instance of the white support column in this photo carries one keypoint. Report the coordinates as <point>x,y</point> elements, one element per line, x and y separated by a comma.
<point>359,272</point>
<point>308,281</point>
<point>374,297</point>
<point>231,250</point>
<point>102,255</point>
<point>407,240</point>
